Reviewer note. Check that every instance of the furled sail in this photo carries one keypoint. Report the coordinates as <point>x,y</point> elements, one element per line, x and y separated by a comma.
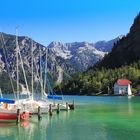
<point>129,90</point>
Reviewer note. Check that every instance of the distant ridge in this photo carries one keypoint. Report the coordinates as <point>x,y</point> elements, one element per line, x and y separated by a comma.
<point>106,46</point>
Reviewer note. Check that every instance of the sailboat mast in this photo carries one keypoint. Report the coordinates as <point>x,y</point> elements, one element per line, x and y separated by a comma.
<point>41,73</point>
<point>17,62</point>
<point>1,93</point>
<point>32,68</point>
<point>45,69</point>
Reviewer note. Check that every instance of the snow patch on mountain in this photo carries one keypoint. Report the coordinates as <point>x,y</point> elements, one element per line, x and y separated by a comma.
<point>79,55</point>
<point>91,48</point>
<point>60,49</point>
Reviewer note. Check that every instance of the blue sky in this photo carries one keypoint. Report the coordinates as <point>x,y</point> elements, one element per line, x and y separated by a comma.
<point>68,20</point>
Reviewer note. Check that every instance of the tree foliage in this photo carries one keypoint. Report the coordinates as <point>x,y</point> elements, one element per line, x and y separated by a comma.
<point>101,81</point>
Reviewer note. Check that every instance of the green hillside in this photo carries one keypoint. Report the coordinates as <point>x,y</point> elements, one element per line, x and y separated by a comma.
<point>101,81</point>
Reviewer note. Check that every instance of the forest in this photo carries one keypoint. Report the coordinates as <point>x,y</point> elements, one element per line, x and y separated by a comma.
<point>101,81</point>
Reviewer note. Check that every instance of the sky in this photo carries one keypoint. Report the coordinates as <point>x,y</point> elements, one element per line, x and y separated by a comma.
<point>68,20</point>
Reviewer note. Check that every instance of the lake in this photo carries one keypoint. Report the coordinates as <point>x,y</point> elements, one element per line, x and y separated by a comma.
<point>95,118</point>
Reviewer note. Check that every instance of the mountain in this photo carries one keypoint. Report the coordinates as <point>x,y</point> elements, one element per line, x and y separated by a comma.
<point>80,55</point>
<point>10,51</point>
<point>72,57</point>
<point>106,46</point>
<point>125,51</point>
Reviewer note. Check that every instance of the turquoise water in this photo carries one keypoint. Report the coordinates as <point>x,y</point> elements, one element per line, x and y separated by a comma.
<point>95,118</point>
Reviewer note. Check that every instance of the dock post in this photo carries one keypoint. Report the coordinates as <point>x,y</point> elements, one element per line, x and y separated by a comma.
<point>67,106</point>
<point>50,109</point>
<point>39,113</point>
<point>18,116</point>
<point>73,105</point>
<point>58,109</point>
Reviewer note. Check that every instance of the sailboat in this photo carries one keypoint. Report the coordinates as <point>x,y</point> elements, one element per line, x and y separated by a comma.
<point>129,90</point>
<point>52,98</point>
<point>9,111</point>
<point>30,103</point>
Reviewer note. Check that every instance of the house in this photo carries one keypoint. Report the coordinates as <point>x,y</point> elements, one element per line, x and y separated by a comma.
<point>121,86</point>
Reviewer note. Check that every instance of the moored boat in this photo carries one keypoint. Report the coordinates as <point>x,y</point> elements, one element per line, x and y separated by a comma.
<point>9,112</point>
<point>11,115</point>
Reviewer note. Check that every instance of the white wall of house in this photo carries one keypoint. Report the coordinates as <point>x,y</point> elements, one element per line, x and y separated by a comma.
<point>120,89</point>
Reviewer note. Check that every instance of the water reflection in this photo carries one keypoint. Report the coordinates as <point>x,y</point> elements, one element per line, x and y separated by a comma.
<point>25,130</point>
<point>130,109</point>
<point>6,129</point>
<point>12,130</point>
<point>33,130</point>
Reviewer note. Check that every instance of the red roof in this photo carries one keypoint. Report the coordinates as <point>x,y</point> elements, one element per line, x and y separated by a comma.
<point>123,82</point>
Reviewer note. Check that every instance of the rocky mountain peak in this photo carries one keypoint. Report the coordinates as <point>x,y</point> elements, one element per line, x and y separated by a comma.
<point>136,25</point>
